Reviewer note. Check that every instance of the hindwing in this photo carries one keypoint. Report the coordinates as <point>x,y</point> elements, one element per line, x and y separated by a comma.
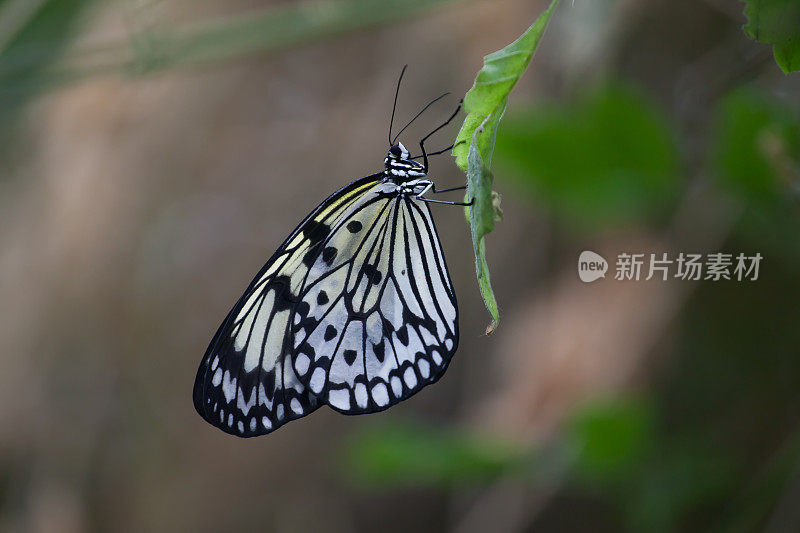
<point>379,321</point>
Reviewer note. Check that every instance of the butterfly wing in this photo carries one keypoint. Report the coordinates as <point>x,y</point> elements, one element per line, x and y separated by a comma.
<point>378,317</point>
<point>246,384</point>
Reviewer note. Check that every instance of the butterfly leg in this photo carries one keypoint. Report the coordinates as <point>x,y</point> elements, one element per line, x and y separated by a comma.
<point>428,187</point>
<point>461,188</point>
<point>446,202</point>
<point>432,187</point>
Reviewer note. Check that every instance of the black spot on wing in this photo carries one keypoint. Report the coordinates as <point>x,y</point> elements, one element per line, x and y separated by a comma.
<point>354,226</point>
<point>330,333</point>
<point>315,231</point>
<point>329,254</point>
<point>311,255</point>
<point>269,384</point>
<point>322,298</point>
<point>372,274</point>
<point>284,299</point>
<point>350,356</point>
<point>402,335</point>
<point>380,351</point>
<point>303,319</point>
<point>303,308</point>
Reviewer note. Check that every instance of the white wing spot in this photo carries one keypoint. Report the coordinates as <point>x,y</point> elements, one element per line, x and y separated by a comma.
<point>252,356</point>
<point>361,395</point>
<point>410,378</point>
<point>245,407</point>
<point>301,363</point>
<point>339,398</point>
<point>397,386</point>
<point>296,407</point>
<point>228,386</point>
<point>380,394</point>
<point>317,380</point>
<point>263,395</point>
<point>424,368</point>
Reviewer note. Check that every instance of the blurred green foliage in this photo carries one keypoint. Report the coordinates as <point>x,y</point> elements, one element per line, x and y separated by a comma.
<point>38,31</point>
<point>748,509</point>
<point>653,475</point>
<point>32,37</point>
<point>776,22</point>
<point>757,141</point>
<point>756,159</point>
<point>407,455</point>
<point>28,65</point>
<point>675,459</point>
<point>731,390</point>
<point>606,159</point>
<point>613,448</point>
<point>612,437</point>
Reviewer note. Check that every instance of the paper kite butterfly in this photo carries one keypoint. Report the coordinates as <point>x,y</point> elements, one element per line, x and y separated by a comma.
<point>355,309</point>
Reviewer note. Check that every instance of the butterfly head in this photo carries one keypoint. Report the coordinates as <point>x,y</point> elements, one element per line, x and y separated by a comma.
<point>399,165</point>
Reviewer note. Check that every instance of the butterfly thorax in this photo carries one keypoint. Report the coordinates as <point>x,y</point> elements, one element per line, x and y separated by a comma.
<point>400,168</point>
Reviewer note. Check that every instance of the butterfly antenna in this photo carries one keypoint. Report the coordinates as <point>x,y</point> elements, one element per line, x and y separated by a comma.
<point>418,114</point>
<point>394,106</point>
<point>422,142</point>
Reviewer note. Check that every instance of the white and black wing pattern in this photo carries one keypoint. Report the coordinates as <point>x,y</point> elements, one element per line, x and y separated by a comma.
<point>378,318</point>
<point>246,384</point>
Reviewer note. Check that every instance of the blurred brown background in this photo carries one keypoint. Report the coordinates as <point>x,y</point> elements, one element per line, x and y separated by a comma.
<point>145,182</point>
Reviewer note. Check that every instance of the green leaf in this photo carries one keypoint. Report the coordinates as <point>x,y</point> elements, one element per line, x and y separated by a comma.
<point>606,159</point>
<point>776,22</point>
<point>501,71</point>
<point>485,104</point>
<point>481,216</point>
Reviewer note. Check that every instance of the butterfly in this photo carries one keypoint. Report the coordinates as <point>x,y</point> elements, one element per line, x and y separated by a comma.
<point>355,310</point>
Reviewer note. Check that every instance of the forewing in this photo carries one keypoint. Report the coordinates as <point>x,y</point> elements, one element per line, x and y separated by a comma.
<point>246,384</point>
<point>380,322</point>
